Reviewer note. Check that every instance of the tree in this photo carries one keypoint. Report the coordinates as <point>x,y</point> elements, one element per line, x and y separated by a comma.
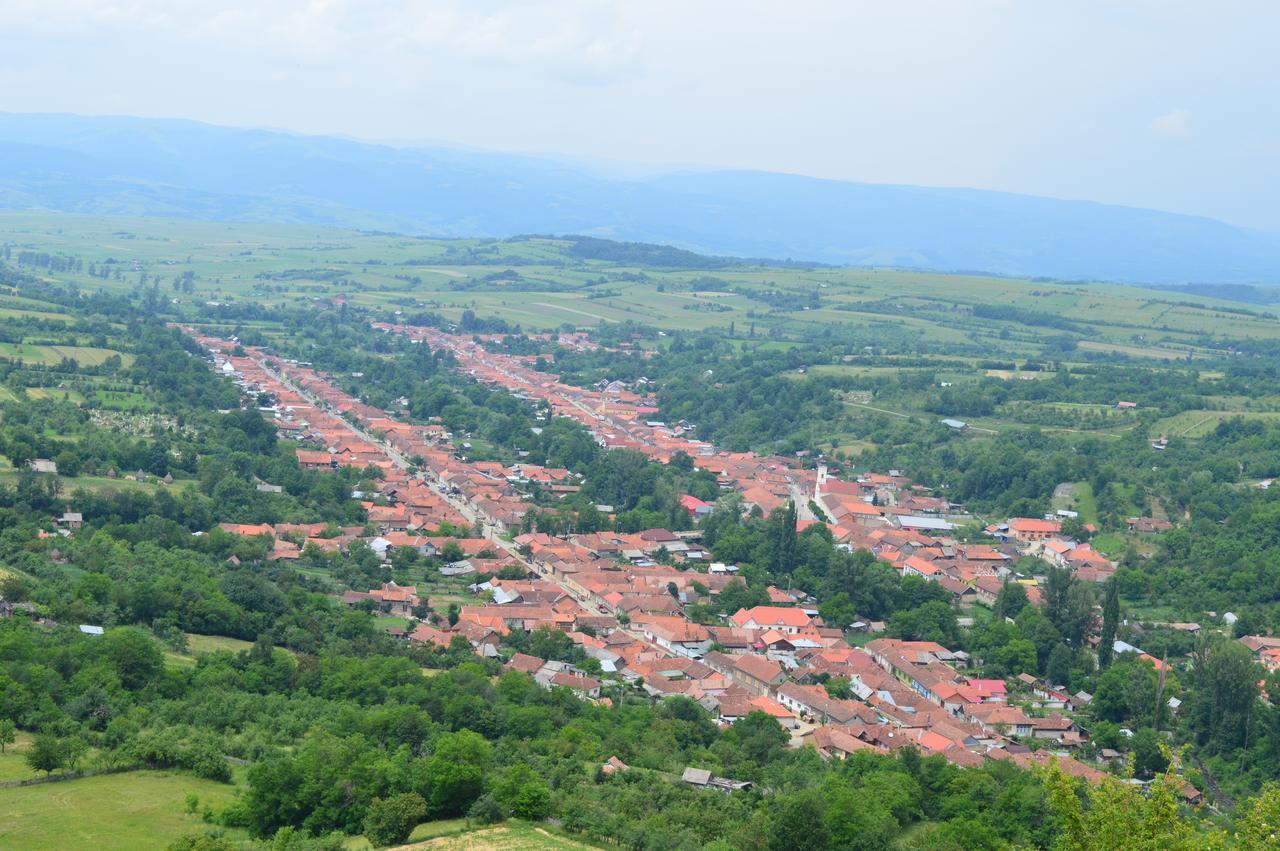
<point>837,611</point>
<point>1220,707</point>
<point>1011,600</point>
<point>68,463</point>
<point>1017,657</point>
<point>1111,815</point>
<point>799,814</point>
<point>1110,621</point>
<point>1058,668</point>
<point>838,688</point>
<point>486,810</point>
<point>47,753</point>
<point>736,595</point>
<point>784,560</point>
<point>1259,827</point>
<point>1148,754</point>
<point>1068,605</point>
<point>8,733</point>
<point>933,621</point>
<point>456,771</point>
<point>74,748</point>
<point>390,821</point>
<point>134,654</point>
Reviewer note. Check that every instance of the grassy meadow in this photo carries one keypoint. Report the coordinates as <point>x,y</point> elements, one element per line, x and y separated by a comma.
<point>133,811</point>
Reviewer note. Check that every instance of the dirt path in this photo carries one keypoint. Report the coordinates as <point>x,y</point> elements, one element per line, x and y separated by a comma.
<point>1194,425</point>
<point>574,310</point>
<point>879,410</point>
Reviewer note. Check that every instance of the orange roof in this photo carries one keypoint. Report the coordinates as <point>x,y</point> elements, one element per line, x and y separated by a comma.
<point>1031,524</point>
<point>247,530</point>
<point>771,616</point>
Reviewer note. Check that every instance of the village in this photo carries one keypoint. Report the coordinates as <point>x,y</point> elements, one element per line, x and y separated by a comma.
<point>623,598</point>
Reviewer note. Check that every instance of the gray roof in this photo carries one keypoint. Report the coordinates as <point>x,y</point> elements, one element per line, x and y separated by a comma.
<point>697,776</point>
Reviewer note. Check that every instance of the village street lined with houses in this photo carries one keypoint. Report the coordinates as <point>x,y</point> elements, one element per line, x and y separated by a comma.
<point>626,610</point>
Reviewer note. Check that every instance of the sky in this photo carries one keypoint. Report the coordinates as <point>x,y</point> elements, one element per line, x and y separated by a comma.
<point>1167,104</point>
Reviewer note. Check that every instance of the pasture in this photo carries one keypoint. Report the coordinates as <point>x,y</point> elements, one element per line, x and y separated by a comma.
<point>134,810</point>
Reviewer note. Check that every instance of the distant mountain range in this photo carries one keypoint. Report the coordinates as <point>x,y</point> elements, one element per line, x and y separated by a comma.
<point>149,167</point>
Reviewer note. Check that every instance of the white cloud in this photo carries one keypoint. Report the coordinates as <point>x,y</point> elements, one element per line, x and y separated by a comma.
<point>567,38</point>
<point>1175,124</point>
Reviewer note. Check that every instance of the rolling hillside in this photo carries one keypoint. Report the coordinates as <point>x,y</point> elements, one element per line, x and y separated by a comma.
<point>145,167</point>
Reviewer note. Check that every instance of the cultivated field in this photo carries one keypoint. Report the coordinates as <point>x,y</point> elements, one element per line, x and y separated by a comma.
<point>541,284</point>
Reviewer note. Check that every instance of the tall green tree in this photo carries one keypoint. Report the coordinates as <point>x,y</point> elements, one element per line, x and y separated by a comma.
<point>785,541</point>
<point>1223,695</point>
<point>1110,622</point>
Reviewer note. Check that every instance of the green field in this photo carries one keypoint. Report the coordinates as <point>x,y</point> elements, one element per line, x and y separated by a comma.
<point>1200,423</point>
<point>134,810</point>
<point>198,644</point>
<point>539,284</point>
<point>70,484</point>
<point>83,355</point>
<point>13,763</point>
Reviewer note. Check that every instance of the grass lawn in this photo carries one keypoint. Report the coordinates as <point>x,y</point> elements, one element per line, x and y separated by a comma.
<point>55,393</point>
<point>1109,544</point>
<point>198,644</point>
<point>135,810</point>
<point>1085,502</point>
<point>13,762</point>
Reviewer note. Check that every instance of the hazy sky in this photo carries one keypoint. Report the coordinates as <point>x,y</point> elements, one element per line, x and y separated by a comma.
<point>1155,103</point>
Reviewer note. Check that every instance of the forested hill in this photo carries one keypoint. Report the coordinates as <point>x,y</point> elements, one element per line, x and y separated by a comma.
<point>184,169</point>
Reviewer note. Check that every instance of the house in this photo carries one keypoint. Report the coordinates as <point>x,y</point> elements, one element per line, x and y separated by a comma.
<point>525,663</point>
<point>1057,728</point>
<point>43,465</point>
<point>1027,529</point>
<point>682,637</point>
<point>1002,719</point>
<point>754,673</point>
<point>613,765</point>
<point>424,633</point>
<point>1147,525</point>
<point>246,530</point>
<point>697,508</point>
<point>584,686</point>
<point>834,742</point>
<point>396,599</point>
<point>703,779</point>
<point>71,519</point>
<point>785,619</point>
<point>813,701</point>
